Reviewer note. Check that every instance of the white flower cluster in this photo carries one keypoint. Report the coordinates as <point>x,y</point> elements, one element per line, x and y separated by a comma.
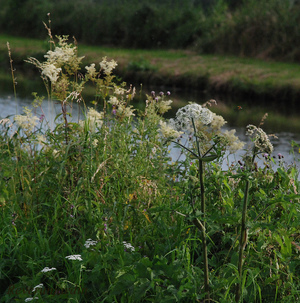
<point>260,139</point>
<point>90,242</point>
<point>94,118</point>
<point>121,108</point>
<point>47,269</point>
<point>64,55</point>
<point>91,70</point>
<point>128,246</point>
<point>30,299</point>
<point>74,257</point>
<point>163,106</point>
<point>38,286</point>
<point>233,142</point>
<point>192,111</point>
<point>27,122</point>
<point>51,71</point>
<point>107,66</point>
<point>168,130</point>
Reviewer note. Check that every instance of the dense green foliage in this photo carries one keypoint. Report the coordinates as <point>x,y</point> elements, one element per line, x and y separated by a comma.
<point>268,29</point>
<point>94,210</point>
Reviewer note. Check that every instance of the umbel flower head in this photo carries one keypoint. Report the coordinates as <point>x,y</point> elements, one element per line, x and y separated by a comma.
<point>260,139</point>
<point>195,112</point>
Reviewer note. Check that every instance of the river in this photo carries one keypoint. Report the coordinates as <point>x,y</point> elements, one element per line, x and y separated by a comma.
<point>9,106</point>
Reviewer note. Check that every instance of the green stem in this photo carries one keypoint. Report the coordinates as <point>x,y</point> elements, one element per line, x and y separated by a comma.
<point>204,244</point>
<point>244,234</point>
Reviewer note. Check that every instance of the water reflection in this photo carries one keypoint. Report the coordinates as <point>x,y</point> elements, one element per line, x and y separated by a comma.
<point>9,106</point>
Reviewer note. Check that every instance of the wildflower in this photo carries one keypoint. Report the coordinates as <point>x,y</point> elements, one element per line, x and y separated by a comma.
<point>55,153</point>
<point>63,54</point>
<point>47,269</point>
<point>37,287</point>
<point>193,111</point>
<point>91,71</point>
<point>40,139</point>
<point>261,139</point>
<point>74,257</point>
<point>51,71</point>
<point>164,106</point>
<point>95,142</point>
<point>266,156</point>
<point>125,111</point>
<point>234,144</point>
<point>217,122</point>
<point>119,90</point>
<point>95,119</point>
<point>42,117</point>
<point>89,242</point>
<point>27,122</point>
<point>113,100</point>
<point>280,156</point>
<point>107,66</point>
<point>168,130</point>
<point>128,246</point>
<point>30,299</point>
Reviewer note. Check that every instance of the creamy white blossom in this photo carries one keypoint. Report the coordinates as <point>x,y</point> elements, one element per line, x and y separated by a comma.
<point>233,143</point>
<point>217,122</point>
<point>113,100</point>
<point>90,242</point>
<point>107,66</point>
<point>37,287</point>
<point>127,111</point>
<point>95,142</point>
<point>163,106</point>
<point>47,269</point>
<point>260,139</point>
<point>95,119</point>
<point>128,246</point>
<point>74,257</point>
<point>168,130</point>
<point>51,71</point>
<point>120,90</point>
<point>91,70</point>
<point>30,299</point>
<point>27,122</point>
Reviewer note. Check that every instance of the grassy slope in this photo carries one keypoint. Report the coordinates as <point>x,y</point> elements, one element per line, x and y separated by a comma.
<point>218,70</point>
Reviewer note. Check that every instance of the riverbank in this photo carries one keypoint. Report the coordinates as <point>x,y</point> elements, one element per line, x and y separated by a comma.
<point>255,83</point>
<point>251,78</point>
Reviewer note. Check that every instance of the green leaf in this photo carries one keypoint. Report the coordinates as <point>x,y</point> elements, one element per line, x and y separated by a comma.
<point>209,158</point>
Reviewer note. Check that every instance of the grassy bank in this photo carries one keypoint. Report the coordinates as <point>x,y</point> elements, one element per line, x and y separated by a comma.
<point>253,84</point>
<point>97,210</point>
<point>185,69</point>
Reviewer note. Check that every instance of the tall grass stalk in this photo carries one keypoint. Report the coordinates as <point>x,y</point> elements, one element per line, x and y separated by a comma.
<point>12,74</point>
